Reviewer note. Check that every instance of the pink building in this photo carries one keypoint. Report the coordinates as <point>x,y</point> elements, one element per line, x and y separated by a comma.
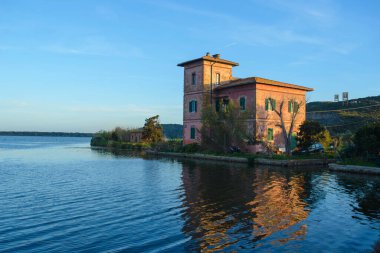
<point>212,76</point>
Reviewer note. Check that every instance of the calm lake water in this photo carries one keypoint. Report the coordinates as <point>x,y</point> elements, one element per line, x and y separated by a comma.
<point>58,195</point>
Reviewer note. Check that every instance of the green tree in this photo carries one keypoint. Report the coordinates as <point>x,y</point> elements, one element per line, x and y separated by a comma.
<point>367,139</point>
<point>119,134</point>
<point>152,130</point>
<point>327,140</point>
<point>223,128</point>
<point>309,133</point>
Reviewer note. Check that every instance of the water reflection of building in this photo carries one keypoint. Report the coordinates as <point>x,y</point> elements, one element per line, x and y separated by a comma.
<point>278,204</point>
<point>227,208</point>
<point>215,197</point>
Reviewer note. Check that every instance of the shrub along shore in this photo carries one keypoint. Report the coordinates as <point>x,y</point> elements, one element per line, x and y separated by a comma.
<point>359,149</point>
<point>175,148</point>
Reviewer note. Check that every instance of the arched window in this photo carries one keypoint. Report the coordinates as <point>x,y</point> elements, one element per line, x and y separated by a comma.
<point>217,78</point>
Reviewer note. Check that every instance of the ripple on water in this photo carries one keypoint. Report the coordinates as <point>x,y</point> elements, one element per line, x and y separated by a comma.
<point>77,200</point>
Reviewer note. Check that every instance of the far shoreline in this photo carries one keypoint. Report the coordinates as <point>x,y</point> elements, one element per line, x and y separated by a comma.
<point>46,134</point>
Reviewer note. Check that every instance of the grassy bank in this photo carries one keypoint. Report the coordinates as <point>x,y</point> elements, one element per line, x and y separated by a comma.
<point>139,146</point>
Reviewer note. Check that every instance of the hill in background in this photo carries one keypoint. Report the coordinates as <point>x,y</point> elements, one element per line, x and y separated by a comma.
<point>172,131</point>
<point>339,117</point>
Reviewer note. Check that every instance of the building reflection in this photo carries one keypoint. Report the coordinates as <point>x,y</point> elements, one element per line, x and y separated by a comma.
<point>234,208</point>
<point>215,196</point>
<point>278,205</point>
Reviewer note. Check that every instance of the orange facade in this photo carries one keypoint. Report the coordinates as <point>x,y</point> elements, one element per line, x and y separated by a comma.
<point>212,76</point>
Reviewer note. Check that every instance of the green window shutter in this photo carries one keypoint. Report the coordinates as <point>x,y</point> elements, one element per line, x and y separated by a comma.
<point>242,103</point>
<point>266,104</point>
<point>270,134</point>
<point>289,106</point>
<point>296,107</point>
<point>192,133</point>
<point>190,106</point>
<point>195,106</point>
<point>293,141</point>
<point>274,105</point>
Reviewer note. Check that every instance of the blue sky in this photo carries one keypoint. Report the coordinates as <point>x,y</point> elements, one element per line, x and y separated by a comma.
<point>86,65</point>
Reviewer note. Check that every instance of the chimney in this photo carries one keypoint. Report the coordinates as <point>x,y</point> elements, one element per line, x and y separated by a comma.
<point>216,56</point>
<point>208,54</point>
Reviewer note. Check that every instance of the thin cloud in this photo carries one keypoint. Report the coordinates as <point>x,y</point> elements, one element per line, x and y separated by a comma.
<point>95,46</point>
<point>230,45</point>
<point>127,109</point>
<point>191,10</point>
<point>317,12</point>
<point>270,35</point>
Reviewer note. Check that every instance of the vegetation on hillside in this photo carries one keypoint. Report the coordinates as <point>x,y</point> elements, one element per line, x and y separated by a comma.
<point>339,117</point>
<point>172,131</point>
<point>367,140</point>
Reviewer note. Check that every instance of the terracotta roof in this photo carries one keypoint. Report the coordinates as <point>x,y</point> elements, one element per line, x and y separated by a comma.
<point>209,58</point>
<point>254,80</point>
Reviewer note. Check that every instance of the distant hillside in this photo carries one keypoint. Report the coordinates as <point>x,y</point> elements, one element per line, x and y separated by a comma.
<point>172,131</point>
<point>339,117</point>
<point>58,134</point>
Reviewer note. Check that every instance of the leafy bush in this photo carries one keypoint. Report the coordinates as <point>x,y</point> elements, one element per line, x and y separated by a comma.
<point>174,145</point>
<point>120,134</point>
<point>310,132</point>
<point>191,148</point>
<point>98,141</point>
<point>367,140</point>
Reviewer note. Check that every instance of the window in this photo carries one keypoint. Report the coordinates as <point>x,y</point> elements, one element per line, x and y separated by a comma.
<point>193,79</point>
<point>217,104</point>
<point>225,103</point>
<point>217,78</point>
<point>292,106</point>
<point>270,104</point>
<point>270,134</point>
<point>193,106</point>
<point>242,103</point>
<point>192,133</point>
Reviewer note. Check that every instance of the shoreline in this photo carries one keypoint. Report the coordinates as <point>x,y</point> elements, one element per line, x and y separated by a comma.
<point>354,169</point>
<point>262,161</point>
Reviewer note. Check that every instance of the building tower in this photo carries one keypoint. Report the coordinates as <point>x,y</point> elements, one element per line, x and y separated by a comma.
<point>201,76</point>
